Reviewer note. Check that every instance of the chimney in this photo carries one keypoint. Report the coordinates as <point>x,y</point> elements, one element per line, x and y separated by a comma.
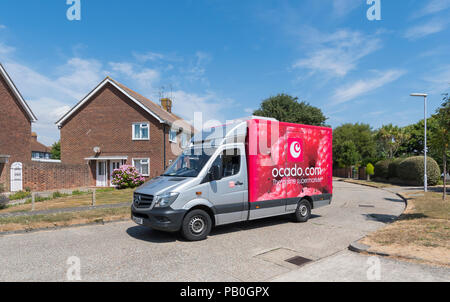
<point>34,136</point>
<point>166,104</point>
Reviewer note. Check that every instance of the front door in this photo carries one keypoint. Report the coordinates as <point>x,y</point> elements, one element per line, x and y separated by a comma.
<point>113,166</point>
<point>102,179</point>
<point>229,194</point>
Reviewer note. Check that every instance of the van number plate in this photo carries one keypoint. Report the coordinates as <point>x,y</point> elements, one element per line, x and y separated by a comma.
<point>138,220</point>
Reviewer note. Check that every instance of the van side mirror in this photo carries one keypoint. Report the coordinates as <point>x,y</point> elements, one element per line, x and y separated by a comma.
<point>214,173</point>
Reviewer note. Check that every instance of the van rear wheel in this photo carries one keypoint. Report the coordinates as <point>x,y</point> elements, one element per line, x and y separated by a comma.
<point>303,212</point>
<point>196,226</point>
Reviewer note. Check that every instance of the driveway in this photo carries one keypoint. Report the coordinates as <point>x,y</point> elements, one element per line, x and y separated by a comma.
<point>251,251</point>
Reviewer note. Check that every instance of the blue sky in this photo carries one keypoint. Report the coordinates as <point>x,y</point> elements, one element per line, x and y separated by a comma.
<point>224,57</point>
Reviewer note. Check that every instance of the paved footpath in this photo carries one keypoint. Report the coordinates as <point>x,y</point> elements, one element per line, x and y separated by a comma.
<point>251,251</point>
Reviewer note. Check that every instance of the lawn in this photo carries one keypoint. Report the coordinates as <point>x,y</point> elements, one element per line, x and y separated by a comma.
<point>421,232</point>
<point>103,196</point>
<point>63,219</point>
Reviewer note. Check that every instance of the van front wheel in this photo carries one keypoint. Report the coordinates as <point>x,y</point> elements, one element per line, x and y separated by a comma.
<point>303,212</point>
<point>196,225</point>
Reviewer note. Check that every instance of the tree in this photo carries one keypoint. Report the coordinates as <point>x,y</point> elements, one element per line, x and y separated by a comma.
<point>286,108</point>
<point>440,139</point>
<point>348,154</point>
<point>390,138</point>
<point>362,137</point>
<point>56,150</point>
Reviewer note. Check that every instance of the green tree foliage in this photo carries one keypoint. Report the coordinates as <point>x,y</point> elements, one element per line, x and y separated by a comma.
<point>370,169</point>
<point>56,150</point>
<point>362,137</point>
<point>348,154</point>
<point>440,139</point>
<point>286,108</point>
<point>389,140</point>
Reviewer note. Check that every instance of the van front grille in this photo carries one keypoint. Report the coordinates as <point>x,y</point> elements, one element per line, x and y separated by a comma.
<point>142,201</point>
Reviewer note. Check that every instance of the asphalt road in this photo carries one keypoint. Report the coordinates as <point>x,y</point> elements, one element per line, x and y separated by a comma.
<point>251,251</point>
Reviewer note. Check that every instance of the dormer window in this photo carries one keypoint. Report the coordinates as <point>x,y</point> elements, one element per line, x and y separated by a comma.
<point>141,131</point>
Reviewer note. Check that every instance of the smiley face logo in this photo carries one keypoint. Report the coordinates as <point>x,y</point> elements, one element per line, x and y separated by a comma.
<point>295,150</point>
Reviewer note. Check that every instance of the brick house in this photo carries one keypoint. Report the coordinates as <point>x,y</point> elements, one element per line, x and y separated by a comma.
<point>15,128</point>
<point>114,125</point>
<point>39,150</point>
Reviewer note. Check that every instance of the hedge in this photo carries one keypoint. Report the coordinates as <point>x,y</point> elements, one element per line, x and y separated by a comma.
<point>382,168</point>
<point>411,170</point>
<point>393,168</point>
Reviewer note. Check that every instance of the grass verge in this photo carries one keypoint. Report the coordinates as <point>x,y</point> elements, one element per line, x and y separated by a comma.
<point>10,224</point>
<point>374,184</point>
<point>422,232</point>
<point>79,199</point>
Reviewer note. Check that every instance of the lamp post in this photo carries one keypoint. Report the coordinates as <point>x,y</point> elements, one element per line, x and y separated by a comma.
<point>425,178</point>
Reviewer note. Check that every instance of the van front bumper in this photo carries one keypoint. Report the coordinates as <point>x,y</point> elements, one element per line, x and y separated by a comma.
<point>163,219</point>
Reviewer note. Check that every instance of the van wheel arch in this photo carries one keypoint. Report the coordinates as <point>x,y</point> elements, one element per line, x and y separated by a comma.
<point>206,209</point>
<point>307,198</point>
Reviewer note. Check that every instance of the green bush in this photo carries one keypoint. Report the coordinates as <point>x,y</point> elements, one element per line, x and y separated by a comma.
<point>411,170</point>
<point>393,167</point>
<point>19,195</point>
<point>2,188</point>
<point>370,169</point>
<point>382,169</point>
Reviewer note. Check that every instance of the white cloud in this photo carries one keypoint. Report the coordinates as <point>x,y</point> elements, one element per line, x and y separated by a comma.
<point>423,30</point>
<point>209,104</point>
<point>148,56</point>
<point>338,53</point>
<point>362,87</point>
<point>2,26</point>
<point>342,8</point>
<point>438,81</point>
<point>146,78</point>
<point>433,7</point>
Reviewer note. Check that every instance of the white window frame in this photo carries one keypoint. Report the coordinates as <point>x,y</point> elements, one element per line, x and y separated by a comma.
<point>170,139</point>
<point>140,159</point>
<point>133,131</point>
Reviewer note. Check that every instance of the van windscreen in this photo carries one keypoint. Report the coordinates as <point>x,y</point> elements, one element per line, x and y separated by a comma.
<point>190,163</point>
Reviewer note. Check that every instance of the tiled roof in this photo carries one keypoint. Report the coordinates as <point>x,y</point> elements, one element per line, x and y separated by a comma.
<point>158,110</point>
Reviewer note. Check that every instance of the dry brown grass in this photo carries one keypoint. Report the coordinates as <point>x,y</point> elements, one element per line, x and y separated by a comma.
<point>62,219</point>
<point>422,231</point>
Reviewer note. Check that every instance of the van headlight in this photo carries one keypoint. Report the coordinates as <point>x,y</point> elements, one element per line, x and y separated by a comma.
<point>166,200</point>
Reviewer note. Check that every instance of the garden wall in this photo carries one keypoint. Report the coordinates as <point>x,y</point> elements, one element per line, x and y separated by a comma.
<point>39,176</point>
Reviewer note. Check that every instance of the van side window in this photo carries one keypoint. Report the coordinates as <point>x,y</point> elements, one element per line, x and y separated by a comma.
<point>231,162</point>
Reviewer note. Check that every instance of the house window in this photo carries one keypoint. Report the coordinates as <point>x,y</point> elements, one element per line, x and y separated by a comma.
<point>140,131</point>
<point>142,165</point>
<point>173,136</point>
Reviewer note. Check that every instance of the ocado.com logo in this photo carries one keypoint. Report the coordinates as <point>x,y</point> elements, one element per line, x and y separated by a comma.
<point>295,150</point>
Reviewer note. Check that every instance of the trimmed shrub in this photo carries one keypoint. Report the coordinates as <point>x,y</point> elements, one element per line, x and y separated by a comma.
<point>393,168</point>
<point>411,170</point>
<point>370,169</point>
<point>2,188</point>
<point>127,177</point>
<point>382,169</point>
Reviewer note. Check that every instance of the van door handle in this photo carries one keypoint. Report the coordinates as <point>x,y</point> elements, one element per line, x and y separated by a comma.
<point>238,183</point>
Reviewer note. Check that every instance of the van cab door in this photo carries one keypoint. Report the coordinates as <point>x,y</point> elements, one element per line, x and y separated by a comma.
<point>229,194</point>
